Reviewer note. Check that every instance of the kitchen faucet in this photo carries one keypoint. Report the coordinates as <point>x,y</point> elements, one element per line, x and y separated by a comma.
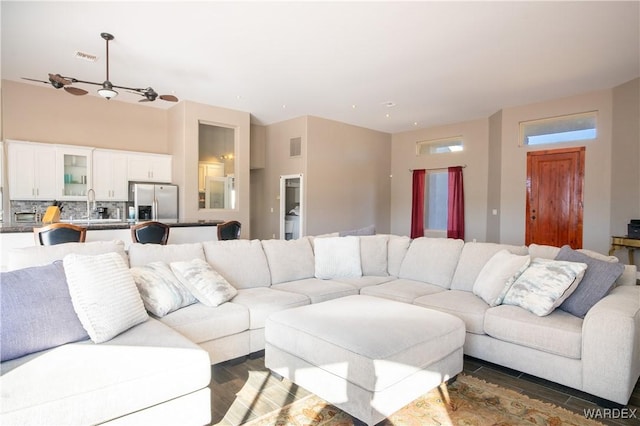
<point>91,198</point>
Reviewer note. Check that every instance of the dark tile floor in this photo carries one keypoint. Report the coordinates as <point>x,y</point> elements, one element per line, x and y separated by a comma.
<point>242,390</point>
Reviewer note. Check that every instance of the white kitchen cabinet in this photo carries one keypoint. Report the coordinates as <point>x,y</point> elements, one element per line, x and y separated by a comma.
<point>73,172</point>
<point>149,167</point>
<point>110,180</point>
<point>31,171</point>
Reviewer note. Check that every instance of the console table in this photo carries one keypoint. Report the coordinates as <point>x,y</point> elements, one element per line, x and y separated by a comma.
<point>624,242</point>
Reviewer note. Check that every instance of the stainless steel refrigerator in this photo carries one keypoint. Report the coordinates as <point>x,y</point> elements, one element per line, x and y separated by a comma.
<point>153,201</point>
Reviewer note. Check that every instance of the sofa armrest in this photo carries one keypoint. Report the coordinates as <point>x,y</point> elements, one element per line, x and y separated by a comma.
<point>611,345</point>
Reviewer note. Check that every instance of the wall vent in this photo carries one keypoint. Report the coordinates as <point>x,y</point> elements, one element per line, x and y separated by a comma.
<point>295,147</point>
<point>86,56</point>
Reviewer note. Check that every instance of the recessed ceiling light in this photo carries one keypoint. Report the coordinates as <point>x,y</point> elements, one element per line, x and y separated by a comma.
<point>354,106</point>
<point>284,106</point>
<point>415,123</point>
<point>389,104</point>
<point>387,115</point>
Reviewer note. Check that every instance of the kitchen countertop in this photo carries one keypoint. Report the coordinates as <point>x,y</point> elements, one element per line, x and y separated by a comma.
<point>97,224</point>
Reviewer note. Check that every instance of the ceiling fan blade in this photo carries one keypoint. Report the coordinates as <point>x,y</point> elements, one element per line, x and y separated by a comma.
<point>36,80</point>
<point>168,98</point>
<point>76,91</point>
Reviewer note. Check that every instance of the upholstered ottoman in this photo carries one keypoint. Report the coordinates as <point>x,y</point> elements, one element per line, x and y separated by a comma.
<point>368,356</point>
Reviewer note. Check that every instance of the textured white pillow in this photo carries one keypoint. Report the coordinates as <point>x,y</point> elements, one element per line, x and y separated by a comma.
<point>544,285</point>
<point>206,284</point>
<point>103,294</point>
<point>497,276</point>
<point>161,291</point>
<point>337,257</point>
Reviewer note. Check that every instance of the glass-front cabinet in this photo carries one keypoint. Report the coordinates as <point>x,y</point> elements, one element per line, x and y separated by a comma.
<point>73,173</point>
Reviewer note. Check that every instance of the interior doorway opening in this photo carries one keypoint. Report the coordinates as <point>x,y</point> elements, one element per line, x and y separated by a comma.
<point>291,207</point>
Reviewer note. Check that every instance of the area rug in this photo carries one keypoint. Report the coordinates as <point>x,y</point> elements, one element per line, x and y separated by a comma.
<point>469,401</point>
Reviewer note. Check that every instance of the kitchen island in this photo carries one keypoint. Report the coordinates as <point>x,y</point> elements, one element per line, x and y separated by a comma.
<point>20,234</point>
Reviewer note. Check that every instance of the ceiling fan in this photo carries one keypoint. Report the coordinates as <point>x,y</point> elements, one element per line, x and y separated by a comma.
<point>107,89</point>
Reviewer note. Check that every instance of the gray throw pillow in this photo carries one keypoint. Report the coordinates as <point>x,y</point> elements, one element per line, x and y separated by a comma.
<point>596,283</point>
<point>36,312</point>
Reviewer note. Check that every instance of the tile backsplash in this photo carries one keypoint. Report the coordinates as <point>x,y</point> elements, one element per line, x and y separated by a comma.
<point>70,209</point>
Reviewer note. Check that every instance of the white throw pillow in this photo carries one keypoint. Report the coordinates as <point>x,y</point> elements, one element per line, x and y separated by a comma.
<point>544,285</point>
<point>337,257</point>
<point>206,284</point>
<point>160,289</point>
<point>497,276</point>
<point>103,294</point>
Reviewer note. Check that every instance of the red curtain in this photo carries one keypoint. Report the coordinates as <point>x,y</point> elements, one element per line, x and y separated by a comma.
<point>417,204</point>
<point>455,217</point>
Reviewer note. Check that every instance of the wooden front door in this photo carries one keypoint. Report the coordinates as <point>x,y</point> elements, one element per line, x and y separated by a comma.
<point>554,197</point>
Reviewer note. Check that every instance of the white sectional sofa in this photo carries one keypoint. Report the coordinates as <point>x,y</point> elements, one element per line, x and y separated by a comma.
<point>598,354</point>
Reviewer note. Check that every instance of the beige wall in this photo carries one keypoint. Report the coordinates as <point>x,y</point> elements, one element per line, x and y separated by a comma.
<point>184,122</point>
<point>43,114</point>
<point>345,172</point>
<point>475,135</point>
<point>625,157</point>
<point>597,181</point>
<point>347,182</point>
<point>493,178</point>
<point>277,163</point>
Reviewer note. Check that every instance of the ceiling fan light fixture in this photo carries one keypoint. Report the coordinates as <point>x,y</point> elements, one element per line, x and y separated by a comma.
<point>107,88</point>
<point>107,91</point>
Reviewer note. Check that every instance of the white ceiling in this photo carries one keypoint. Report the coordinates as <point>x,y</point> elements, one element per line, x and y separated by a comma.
<point>438,62</point>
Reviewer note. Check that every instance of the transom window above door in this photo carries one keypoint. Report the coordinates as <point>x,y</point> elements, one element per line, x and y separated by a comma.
<point>566,128</point>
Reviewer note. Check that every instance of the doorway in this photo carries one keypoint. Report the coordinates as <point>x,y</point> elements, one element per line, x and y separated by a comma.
<point>291,207</point>
<point>554,208</point>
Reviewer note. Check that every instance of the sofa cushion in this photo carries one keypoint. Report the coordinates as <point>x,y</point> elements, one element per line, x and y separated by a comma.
<point>497,276</point>
<point>43,255</point>
<point>544,285</point>
<point>104,295</point>
<point>466,306</point>
<point>396,250</point>
<point>558,333</point>
<point>263,301</point>
<point>473,257</point>
<point>142,254</point>
<point>373,255</point>
<point>290,260</point>
<point>432,260</point>
<point>317,290</point>
<point>365,281</point>
<point>200,323</point>
<point>160,289</point>
<point>207,285</point>
<point>89,383</point>
<point>401,290</point>
<point>337,257</point>
<point>36,312</point>
<point>598,279</point>
<point>242,262</point>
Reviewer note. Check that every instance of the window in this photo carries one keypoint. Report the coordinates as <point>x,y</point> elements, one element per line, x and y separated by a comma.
<point>567,128</point>
<point>436,200</point>
<point>439,146</point>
